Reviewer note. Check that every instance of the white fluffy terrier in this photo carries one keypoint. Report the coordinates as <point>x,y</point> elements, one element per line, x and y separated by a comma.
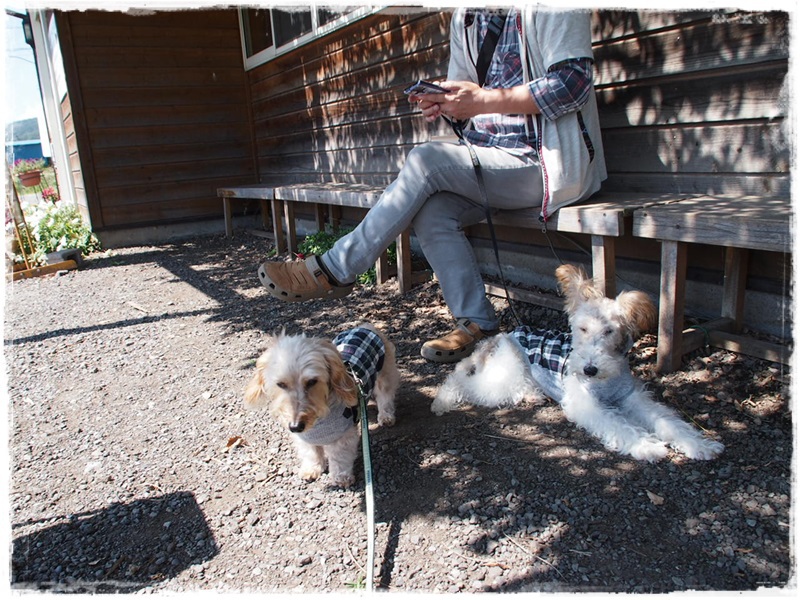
<point>585,371</point>
<point>312,387</point>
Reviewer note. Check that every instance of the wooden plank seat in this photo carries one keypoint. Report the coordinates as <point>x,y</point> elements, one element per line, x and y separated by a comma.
<point>739,224</point>
<point>604,217</point>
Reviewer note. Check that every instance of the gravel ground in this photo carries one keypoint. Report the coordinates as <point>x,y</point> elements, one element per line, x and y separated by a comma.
<point>135,468</point>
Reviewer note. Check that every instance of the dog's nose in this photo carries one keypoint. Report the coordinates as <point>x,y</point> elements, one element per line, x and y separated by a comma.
<point>590,370</point>
<point>297,427</point>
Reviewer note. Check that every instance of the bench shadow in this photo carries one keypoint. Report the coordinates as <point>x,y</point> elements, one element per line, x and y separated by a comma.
<point>124,547</point>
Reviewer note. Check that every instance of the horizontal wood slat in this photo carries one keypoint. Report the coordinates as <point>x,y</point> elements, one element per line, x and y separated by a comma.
<point>696,47</point>
<point>734,148</point>
<point>756,223</point>
<point>168,134</point>
<point>706,183</point>
<point>728,96</point>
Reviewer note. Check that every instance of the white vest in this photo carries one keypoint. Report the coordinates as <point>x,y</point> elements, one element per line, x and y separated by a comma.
<point>570,174</point>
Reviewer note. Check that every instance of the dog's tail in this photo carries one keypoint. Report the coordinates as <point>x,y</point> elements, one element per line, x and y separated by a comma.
<point>497,374</point>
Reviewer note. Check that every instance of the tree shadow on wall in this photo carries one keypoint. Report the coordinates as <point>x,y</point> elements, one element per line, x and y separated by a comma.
<point>124,547</point>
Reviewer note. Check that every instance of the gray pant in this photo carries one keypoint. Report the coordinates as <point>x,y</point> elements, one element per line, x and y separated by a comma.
<point>436,191</point>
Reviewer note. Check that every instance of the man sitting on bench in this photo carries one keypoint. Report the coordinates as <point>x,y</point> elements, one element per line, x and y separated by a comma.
<point>533,128</point>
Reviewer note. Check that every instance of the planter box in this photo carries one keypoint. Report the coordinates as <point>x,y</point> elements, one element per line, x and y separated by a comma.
<point>30,178</point>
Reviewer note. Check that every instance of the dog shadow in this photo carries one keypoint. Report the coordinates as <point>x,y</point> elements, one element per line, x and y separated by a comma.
<point>122,548</point>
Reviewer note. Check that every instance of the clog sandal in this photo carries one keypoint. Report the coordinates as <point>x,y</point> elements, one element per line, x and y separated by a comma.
<point>457,344</point>
<point>299,280</point>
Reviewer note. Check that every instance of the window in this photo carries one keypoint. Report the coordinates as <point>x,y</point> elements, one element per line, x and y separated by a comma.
<point>269,32</point>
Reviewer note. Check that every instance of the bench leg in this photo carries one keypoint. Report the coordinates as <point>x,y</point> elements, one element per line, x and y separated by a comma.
<point>291,229</point>
<point>277,226</point>
<point>336,217</point>
<point>404,261</point>
<point>671,306</point>
<point>603,264</point>
<point>227,213</point>
<point>382,274</point>
<point>733,287</point>
<point>265,214</point>
<point>321,214</point>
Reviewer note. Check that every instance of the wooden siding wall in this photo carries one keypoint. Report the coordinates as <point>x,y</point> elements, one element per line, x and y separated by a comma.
<point>334,110</point>
<point>159,105</point>
<point>689,101</point>
<point>73,157</point>
<point>694,102</point>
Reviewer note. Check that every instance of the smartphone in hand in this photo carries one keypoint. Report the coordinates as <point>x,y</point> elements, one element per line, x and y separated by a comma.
<point>425,87</point>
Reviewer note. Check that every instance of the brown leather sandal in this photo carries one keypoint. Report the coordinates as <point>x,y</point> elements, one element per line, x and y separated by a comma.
<point>457,344</point>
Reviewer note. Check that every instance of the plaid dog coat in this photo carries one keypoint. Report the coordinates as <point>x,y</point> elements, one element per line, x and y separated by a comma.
<point>546,349</point>
<point>548,352</point>
<point>363,351</point>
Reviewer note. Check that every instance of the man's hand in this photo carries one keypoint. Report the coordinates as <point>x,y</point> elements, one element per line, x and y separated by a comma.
<point>467,99</point>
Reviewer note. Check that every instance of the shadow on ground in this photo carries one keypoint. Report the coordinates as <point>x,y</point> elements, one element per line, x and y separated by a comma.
<point>122,548</point>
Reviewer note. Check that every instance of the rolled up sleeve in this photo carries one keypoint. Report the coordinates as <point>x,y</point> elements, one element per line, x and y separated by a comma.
<point>564,89</point>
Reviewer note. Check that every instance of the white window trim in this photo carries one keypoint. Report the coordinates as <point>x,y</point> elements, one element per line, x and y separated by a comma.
<point>251,62</point>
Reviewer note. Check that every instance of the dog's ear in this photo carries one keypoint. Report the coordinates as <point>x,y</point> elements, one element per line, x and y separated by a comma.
<point>576,287</point>
<point>342,384</point>
<point>255,396</point>
<point>638,312</point>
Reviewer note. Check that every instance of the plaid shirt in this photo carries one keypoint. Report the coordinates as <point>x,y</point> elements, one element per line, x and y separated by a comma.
<point>363,351</point>
<point>546,349</point>
<point>564,89</point>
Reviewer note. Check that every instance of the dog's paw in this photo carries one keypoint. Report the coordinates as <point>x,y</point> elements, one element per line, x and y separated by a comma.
<point>310,472</point>
<point>699,449</point>
<point>649,449</point>
<point>440,406</point>
<point>343,480</point>
<point>386,420</point>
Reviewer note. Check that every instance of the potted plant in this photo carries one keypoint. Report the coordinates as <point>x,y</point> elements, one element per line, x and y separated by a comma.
<point>61,231</point>
<point>29,171</point>
<point>57,232</point>
<point>50,194</point>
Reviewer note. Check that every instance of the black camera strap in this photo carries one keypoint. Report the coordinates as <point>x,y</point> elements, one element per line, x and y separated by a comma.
<point>496,24</point>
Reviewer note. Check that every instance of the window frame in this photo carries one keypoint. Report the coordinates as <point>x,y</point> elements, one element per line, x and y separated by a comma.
<point>317,31</point>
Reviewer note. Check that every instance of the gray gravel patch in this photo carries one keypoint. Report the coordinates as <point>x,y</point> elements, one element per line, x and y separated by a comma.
<point>135,468</point>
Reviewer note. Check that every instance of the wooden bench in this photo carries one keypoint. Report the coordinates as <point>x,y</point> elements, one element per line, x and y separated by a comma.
<point>604,217</point>
<point>739,224</point>
<point>282,199</point>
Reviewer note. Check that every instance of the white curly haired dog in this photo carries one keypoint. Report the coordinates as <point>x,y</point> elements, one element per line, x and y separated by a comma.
<point>585,371</point>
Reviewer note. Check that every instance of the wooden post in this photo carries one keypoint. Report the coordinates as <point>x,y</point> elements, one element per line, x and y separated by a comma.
<point>404,261</point>
<point>733,287</point>
<point>603,264</point>
<point>228,213</point>
<point>277,226</point>
<point>671,305</point>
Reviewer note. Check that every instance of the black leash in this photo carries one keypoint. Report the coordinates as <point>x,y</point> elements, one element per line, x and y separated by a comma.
<point>476,164</point>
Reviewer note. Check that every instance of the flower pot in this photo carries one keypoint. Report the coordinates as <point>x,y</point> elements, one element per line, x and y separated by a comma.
<point>66,254</point>
<point>30,178</point>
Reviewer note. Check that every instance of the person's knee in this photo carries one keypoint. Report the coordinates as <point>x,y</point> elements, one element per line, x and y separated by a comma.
<point>434,219</point>
<point>423,159</point>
